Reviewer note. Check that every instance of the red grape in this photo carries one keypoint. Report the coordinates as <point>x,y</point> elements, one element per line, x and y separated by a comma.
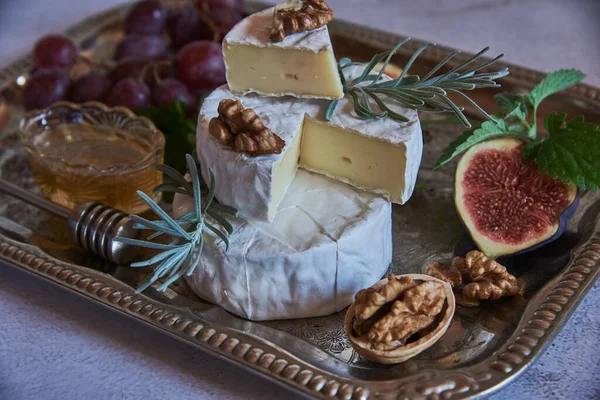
<point>44,87</point>
<point>130,93</point>
<point>90,87</point>
<point>198,93</point>
<point>171,89</point>
<point>127,67</point>
<point>182,26</point>
<point>143,47</point>
<point>132,67</point>
<point>54,51</point>
<point>200,65</point>
<point>147,17</point>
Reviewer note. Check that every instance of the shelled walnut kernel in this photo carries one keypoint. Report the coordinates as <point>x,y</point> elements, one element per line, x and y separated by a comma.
<point>299,16</point>
<point>243,130</point>
<point>401,309</point>
<point>475,278</point>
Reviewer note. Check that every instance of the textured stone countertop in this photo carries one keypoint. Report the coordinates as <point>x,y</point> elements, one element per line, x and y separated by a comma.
<point>53,345</point>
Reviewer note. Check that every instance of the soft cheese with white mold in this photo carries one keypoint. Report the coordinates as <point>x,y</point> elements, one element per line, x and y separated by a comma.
<point>326,242</point>
<point>253,185</point>
<point>381,155</point>
<point>302,65</point>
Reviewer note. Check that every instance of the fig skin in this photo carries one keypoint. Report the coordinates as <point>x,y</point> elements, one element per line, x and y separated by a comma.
<point>485,243</point>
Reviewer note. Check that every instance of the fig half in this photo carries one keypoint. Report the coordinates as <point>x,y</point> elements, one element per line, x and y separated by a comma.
<point>507,204</point>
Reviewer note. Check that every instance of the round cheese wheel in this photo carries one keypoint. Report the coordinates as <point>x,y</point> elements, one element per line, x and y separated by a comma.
<point>326,242</point>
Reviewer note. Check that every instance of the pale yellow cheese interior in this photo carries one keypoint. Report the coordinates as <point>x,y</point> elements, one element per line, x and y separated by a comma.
<point>365,162</point>
<point>283,174</point>
<point>276,71</point>
<point>345,155</point>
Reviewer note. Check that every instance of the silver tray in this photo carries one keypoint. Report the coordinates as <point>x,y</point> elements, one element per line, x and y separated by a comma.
<point>484,349</point>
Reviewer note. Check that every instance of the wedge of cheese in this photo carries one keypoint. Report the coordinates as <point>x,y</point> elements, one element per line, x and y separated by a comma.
<point>381,156</point>
<point>254,185</point>
<point>302,65</point>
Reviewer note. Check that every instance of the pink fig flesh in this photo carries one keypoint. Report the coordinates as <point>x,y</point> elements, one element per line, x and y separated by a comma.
<point>506,203</point>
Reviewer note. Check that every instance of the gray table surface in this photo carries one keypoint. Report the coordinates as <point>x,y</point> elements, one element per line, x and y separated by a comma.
<point>53,345</point>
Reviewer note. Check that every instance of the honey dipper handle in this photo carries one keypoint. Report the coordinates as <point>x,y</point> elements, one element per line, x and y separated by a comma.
<point>92,226</point>
<point>34,199</point>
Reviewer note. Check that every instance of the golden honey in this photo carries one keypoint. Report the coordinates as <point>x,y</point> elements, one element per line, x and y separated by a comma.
<point>74,162</point>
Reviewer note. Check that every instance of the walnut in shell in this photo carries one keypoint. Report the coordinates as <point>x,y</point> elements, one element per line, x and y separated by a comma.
<point>475,278</point>
<point>399,317</point>
<point>295,16</point>
<point>243,130</point>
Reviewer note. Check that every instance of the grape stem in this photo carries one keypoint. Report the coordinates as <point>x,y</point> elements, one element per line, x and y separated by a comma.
<point>203,10</point>
<point>93,64</point>
<point>154,65</point>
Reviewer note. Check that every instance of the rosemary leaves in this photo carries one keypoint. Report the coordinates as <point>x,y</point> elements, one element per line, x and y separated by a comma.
<point>372,93</point>
<point>180,256</point>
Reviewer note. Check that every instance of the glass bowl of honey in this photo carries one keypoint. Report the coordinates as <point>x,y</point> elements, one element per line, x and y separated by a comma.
<point>90,152</point>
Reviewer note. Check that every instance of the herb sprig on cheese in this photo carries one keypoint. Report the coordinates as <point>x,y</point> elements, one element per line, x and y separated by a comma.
<point>372,93</point>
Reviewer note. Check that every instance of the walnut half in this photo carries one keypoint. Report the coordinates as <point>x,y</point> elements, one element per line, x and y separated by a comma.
<point>475,278</point>
<point>295,16</point>
<point>399,317</point>
<point>242,129</point>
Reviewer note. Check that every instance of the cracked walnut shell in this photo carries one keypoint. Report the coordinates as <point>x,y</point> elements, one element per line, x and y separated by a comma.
<point>243,130</point>
<point>399,317</point>
<point>295,16</point>
<point>475,278</point>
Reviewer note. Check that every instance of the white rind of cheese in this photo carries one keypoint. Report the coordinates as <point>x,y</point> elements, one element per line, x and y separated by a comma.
<point>255,185</point>
<point>327,242</point>
<point>302,65</point>
<point>244,182</point>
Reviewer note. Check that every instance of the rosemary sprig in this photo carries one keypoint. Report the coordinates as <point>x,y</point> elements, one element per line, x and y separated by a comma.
<point>372,94</point>
<point>180,256</point>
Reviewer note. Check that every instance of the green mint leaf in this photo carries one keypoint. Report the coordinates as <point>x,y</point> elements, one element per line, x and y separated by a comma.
<point>532,132</point>
<point>554,122</point>
<point>519,112</point>
<point>514,105</point>
<point>571,153</point>
<point>516,128</point>
<point>180,107</point>
<point>488,129</point>
<point>578,123</point>
<point>552,83</point>
<point>179,131</point>
<point>454,148</point>
<point>530,150</point>
<point>508,100</point>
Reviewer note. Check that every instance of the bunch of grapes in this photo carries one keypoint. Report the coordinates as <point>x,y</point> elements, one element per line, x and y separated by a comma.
<point>166,55</point>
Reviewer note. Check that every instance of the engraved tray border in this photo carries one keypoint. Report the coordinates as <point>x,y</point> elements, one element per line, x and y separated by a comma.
<point>545,315</point>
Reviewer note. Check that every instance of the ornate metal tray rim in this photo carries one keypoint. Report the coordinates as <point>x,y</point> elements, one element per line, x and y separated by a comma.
<point>555,302</point>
